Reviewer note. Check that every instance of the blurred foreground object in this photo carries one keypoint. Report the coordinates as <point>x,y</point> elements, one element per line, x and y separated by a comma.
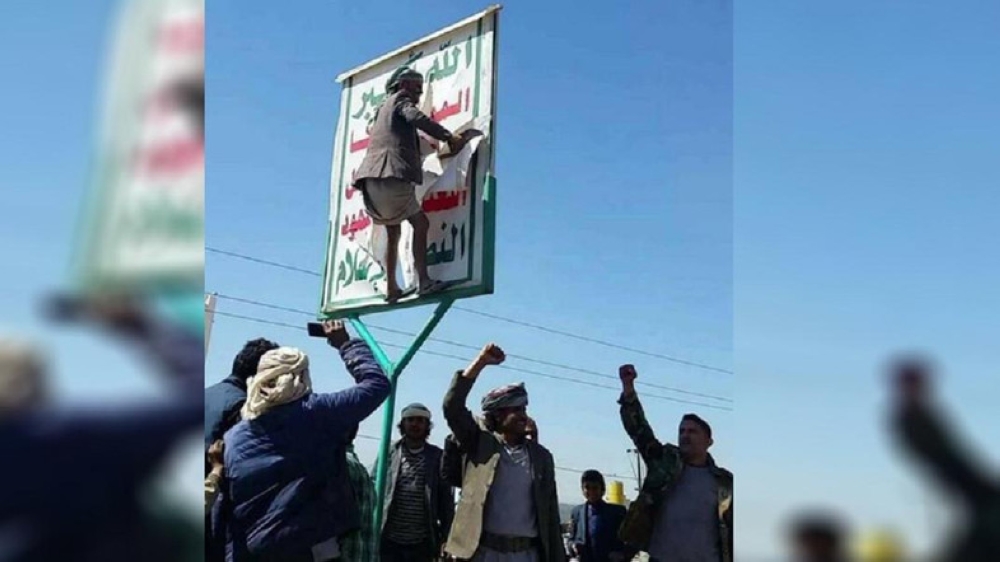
<point>81,481</point>
<point>80,475</point>
<point>924,434</point>
<point>818,536</point>
<point>22,379</point>
<point>616,493</point>
<point>145,219</point>
<point>880,546</point>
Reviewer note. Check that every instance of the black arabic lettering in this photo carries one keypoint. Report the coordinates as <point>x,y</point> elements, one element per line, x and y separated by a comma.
<point>413,57</point>
<point>463,241</point>
<point>432,254</point>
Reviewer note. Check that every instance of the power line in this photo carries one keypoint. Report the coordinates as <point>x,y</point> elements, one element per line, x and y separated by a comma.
<point>563,468</point>
<point>593,340</point>
<point>476,348</point>
<point>505,367</point>
<point>505,319</point>
<point>260,261</point>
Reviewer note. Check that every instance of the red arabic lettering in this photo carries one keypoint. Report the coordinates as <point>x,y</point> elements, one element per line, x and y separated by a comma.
<point>172,157</point>
<point>354,224</point>
<point>349,190</point>
<point>359,145</point>
<point>447,110</point>
<point>183,37</point>
<point>443,201</point>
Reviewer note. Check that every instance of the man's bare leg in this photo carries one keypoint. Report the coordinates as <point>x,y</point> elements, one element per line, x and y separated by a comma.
<point>391,259</point>
<point>420,226</point>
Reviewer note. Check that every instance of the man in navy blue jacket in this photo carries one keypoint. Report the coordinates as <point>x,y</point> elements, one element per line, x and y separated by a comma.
<point>223,401</point>
<point>595,524</point>
<point>287,495</point>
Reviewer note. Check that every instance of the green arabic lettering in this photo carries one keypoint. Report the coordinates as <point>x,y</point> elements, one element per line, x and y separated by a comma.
<point>369,100</point>
<point>432,254</point>
<point>348,265</point>
<point>341,276</point>
<point>377,276</point>
<point>433,72</point>
<point>162,219</point>
<point>363,268</point>
<point>437,73</point>
<point>365,97</point>
<point>468,52</point>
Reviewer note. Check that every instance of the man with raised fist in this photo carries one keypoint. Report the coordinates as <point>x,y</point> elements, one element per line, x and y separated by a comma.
<point>509,508</point>
<point>684,511</point>
<point>930,441</point>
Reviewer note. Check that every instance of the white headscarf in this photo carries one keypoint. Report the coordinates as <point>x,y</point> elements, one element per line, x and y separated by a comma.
<point>282,377</point>
<point>22,375</point>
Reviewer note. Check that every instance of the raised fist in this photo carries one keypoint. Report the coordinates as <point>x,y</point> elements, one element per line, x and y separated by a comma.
<point>491,355</point>
<point>627,374</point>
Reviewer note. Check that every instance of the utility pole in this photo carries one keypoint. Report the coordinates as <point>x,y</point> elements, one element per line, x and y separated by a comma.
<point>638,468</point>
<point>210,304</point>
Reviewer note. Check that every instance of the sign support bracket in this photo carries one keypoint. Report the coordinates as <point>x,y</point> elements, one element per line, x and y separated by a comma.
<point>392,370</point>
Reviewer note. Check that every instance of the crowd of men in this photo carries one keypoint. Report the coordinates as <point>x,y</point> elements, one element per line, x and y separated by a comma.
<point>283,481</point>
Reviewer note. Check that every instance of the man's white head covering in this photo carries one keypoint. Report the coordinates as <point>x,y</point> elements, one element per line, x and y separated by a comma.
<point>23,375</point>
<point>282,377</point>
<point>416,410</point>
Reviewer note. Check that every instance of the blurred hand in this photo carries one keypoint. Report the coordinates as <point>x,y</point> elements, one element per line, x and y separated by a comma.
<point>336,333</point>
<point>911,380</point>
<point>215,455</point>
<point>116,311</point>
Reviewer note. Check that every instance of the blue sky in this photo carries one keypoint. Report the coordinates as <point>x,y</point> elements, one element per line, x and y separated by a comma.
<point>615,201</point>
<point>865,223</point>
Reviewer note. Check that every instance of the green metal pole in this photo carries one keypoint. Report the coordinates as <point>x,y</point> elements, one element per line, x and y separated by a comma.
<point>389,411</point>
<point>377,350</point>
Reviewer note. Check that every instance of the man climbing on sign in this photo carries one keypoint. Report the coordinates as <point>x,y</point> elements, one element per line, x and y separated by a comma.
<point>391,170</point>
<point>684,512</point>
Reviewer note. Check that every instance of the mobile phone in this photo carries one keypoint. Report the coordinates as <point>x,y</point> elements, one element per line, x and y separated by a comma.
<point>316,330</point>
<point>63,307</point>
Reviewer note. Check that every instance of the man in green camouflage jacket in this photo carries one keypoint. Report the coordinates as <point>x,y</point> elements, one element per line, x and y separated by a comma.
<point>684,511</point>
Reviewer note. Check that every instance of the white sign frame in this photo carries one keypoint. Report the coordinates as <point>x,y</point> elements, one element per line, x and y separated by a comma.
<point>458,62</point>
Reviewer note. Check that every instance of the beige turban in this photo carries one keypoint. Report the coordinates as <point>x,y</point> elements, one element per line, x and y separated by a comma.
<point>22,375</point>
<point>282,377</point>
